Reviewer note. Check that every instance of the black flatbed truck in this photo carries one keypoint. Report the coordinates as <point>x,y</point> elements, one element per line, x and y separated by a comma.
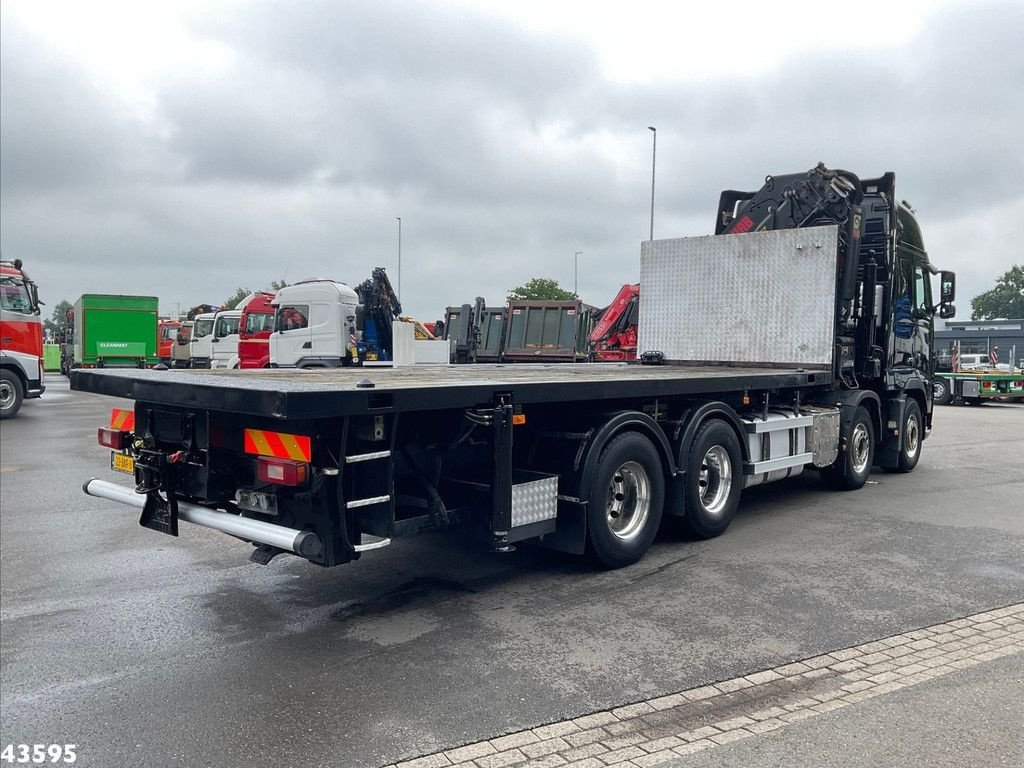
<point>329,464</point>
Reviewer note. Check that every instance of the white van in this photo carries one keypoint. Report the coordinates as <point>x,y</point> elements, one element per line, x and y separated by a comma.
<point>314,321</point>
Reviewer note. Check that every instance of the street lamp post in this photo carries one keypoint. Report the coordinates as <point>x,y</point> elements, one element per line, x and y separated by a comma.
<point>399,219</point>
<point>654,157</point>
<point>576,273</point>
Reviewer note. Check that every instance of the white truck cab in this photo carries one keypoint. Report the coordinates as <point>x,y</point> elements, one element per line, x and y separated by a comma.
<point>224,340</point>
<point>200,348</point>
<point>314,322</point>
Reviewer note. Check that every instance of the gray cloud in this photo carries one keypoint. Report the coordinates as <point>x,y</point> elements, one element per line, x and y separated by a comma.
<point>491,142</point>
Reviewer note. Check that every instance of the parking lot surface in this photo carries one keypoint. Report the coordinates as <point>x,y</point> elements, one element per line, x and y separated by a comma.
<point>148,650</point>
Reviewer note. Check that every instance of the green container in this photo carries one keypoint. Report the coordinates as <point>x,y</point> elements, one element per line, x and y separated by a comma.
<point>51,357</point>
<point>115,331</point>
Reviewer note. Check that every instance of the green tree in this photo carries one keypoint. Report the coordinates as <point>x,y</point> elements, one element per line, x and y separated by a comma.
<point>542,288</point>
<point>55,327</point>
<point>1005,300</point>
<point>236,298</point>
<point>277,285</point>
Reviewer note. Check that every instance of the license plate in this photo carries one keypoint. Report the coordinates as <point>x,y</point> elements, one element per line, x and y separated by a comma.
<point>122,463</point>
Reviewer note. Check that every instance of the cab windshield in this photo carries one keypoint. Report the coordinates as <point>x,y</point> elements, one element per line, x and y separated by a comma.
<point>202,328</point>
<point>16,297</point>
<point>227,325</point>
<point>258,321</point>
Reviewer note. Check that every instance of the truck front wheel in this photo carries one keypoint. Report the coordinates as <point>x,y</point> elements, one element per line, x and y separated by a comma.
<point>713,480</point>
<point>910,440</point>
<point>11,394</point>
<point>941,392</point>
<point>853,465</point>
<point>626,501</point>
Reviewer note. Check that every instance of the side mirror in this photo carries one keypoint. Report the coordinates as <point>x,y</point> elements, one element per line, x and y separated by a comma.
<point>947,287</point>
<point>946,311</point>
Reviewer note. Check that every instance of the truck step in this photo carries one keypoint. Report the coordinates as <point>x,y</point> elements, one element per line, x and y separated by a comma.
<point>367,502</point>
<point>367,456</point>
<point>368,542</point>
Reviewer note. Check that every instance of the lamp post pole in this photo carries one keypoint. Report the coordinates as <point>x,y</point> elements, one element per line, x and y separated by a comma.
<point>576,273</point>
<point>654,157</point>
<point>399,219</point>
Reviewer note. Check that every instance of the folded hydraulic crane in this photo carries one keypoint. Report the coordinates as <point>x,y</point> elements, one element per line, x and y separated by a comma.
<point>379,307</point>
<point>614,336</point>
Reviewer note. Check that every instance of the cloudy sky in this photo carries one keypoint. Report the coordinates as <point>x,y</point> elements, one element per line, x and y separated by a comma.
<point>185,149</point>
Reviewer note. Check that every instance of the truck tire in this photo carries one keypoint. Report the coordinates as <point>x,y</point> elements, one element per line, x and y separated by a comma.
<point>713,480</point>
<point>853,465</point>
<point>911,436</point>
<point>11,394</point>
<point>941,391</point>
<point>626,501</point>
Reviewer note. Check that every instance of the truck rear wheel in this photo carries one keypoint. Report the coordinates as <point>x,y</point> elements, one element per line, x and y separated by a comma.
<point>11,394</point>
<point>713,480</point>
<point>941,392</point>
<point>853,465</point>
<point>910,439</point>
<point>626,501</point>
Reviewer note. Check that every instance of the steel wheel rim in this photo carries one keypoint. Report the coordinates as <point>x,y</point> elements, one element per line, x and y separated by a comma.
<point>6,395</point>
<point>938,389</point>
<point>715,480</point>
<point>913,438</point>
<point>861,447</point>
<point>628,502</point>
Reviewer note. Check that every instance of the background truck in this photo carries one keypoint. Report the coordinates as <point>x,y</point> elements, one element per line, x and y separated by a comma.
<point>254,331</point>
<point>21,339</point>
<point>181,352</point>
<point>112,331</point>
<point>224,341</point>
<point>200,349</point>
<point>167,334</point>
<point>806,344</point>
<point>976,387</point>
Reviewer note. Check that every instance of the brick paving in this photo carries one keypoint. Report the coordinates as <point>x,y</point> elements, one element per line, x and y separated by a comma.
<point>648,733</point>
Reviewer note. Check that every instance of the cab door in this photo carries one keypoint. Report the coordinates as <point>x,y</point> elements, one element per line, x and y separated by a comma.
<point>291,340</point>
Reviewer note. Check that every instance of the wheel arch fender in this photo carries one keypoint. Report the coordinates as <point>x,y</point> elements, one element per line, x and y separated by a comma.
<point>611,426</point>
<point>691,421</point>
<point>575,484</point>
<point>849,400</point>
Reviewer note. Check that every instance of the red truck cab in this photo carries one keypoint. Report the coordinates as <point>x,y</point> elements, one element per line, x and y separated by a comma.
<point>21,339</point>
<point>254,331</point>
<point>167,335</point>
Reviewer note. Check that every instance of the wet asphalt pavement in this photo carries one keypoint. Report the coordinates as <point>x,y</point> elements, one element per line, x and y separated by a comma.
<point>148,650</point>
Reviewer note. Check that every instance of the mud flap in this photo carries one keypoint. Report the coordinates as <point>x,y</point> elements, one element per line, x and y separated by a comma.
<point>160,514</point>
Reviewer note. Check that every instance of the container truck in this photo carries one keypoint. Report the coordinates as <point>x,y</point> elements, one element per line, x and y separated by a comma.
<point>805,345</point>
<point>112,331</point>
<point>21,339</point>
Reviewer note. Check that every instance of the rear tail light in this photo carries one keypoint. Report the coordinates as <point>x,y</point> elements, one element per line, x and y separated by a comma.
<point>112,438</point>
<point>281,471</point>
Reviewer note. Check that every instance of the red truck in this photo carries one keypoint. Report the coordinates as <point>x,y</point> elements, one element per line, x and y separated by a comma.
<point>254,332</point>
<point>167,335</point>
<point>21,339</point>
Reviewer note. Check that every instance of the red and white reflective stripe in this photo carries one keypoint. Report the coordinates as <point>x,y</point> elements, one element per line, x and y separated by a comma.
<point>122,419</point>
<point>993,356</point>
<point>278,444</point>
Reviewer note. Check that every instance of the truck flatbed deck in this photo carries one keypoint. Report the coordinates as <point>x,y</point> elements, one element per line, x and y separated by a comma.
<point>308,393</point>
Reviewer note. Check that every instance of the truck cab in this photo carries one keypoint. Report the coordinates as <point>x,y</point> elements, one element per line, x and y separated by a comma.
<point>21,339</point>
<point>314,325</point>
<point>200,348</point>
<point>254,332</point>
<point>167,336</point>
<point>180,352</point>
<point>224,342</point>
